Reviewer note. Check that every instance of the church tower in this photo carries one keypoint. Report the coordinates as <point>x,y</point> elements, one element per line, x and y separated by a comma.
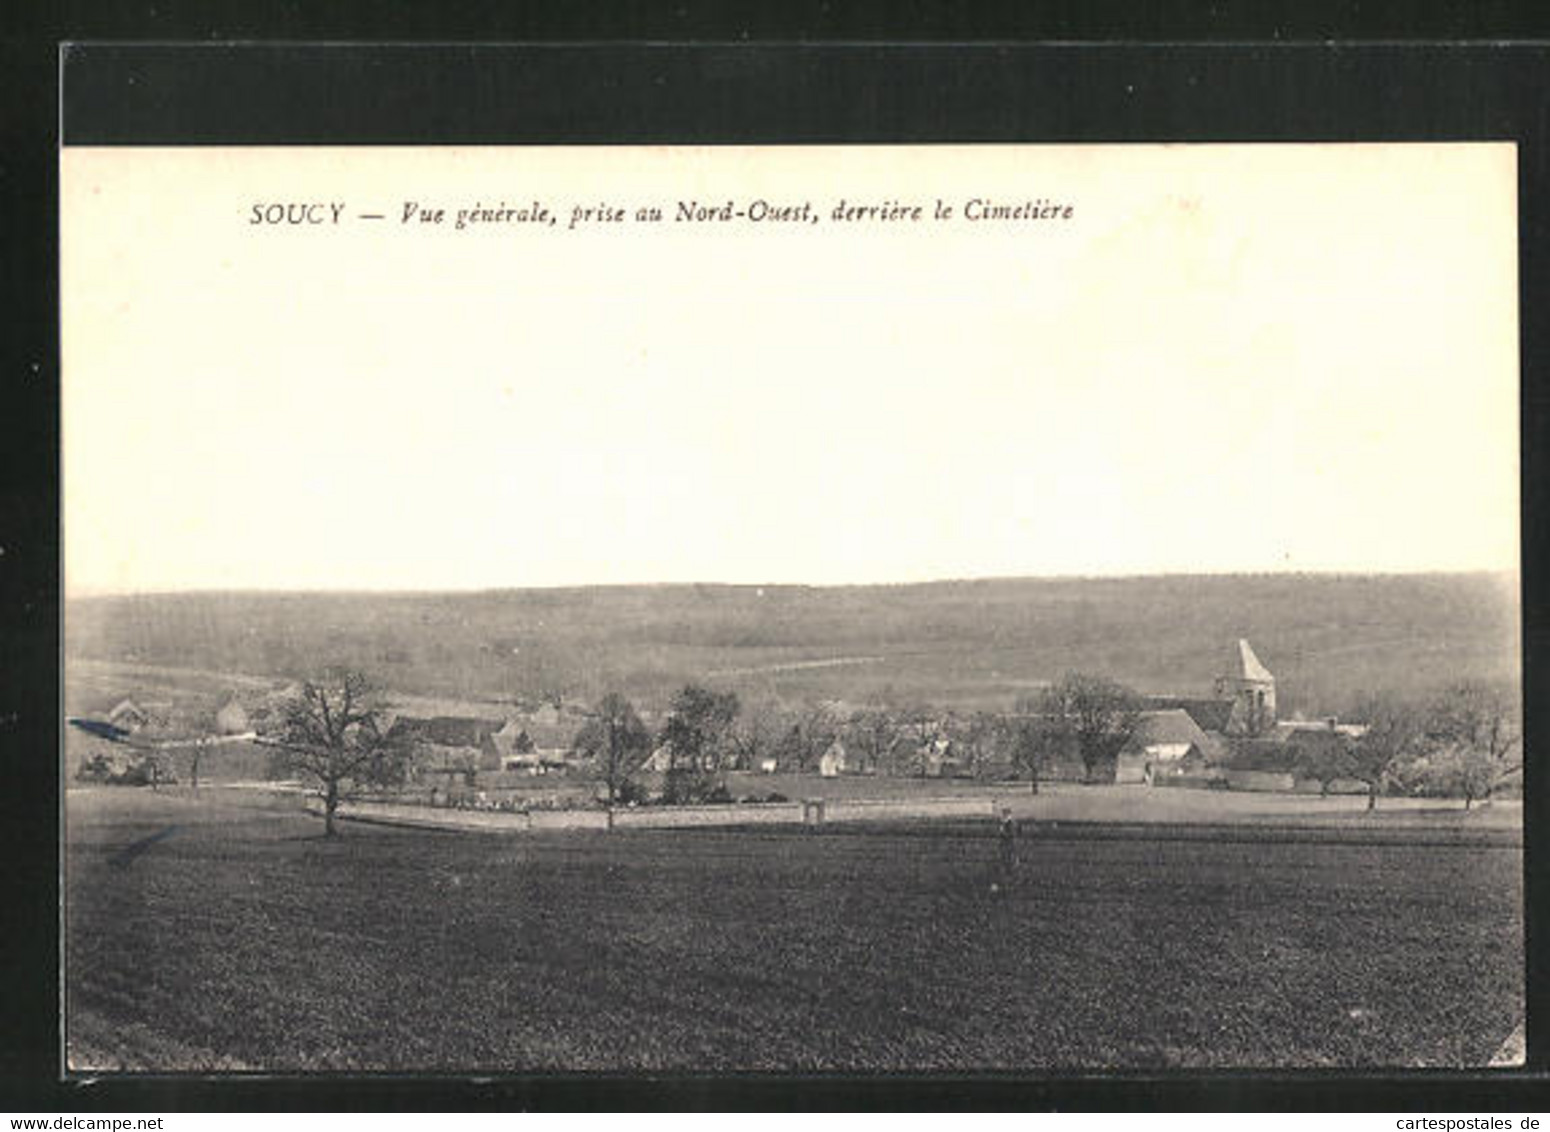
<point>1252,690</point>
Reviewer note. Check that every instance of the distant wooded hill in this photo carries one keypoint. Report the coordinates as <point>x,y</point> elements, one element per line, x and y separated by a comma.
<point>1327,639</point>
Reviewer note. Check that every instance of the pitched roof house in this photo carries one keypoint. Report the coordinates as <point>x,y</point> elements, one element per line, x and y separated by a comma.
<point>231,718</point>
<point>449,742</point>
<point>1168,735</point>
<point>128,716</point>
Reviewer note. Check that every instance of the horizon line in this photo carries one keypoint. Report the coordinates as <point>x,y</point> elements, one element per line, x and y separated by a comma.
<point>90,594</point>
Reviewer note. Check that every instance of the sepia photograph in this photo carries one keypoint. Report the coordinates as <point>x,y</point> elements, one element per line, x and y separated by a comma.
<point>857,609</point>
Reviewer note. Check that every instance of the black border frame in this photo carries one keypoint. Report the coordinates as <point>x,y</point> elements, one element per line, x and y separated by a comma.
<point>726,91</point>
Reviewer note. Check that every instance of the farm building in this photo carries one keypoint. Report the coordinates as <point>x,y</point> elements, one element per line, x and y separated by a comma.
<point>1233,737</point>
<point>941,758</point>
<point>545,715</point>
<point>513,739</point>
<point>831,764</point>
<point>1288,752</point>
<point>1179,740</point>
<point>1210,715</point>
<point>660,761</point>
<point>232,718</point>
<point>129,716</point>
<point>1293,729</point>
<point>448,744</point>
<point>100,751</point>
<point>98,744</point>
<point>1168,745</point>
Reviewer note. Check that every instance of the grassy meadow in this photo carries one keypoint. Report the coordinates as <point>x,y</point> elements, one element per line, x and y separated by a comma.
<point>219,931</point>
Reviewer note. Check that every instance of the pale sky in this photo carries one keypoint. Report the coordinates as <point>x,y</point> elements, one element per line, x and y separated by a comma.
<point>1230,358</point>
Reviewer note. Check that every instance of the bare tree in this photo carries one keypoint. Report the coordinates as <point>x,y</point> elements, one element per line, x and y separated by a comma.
<point>1099,715</point>
<point>616,741</point>
<point>923,723</point>
<point>985,742</point>
<point>756,733</point>
<point>1326,760</point>
<point>872,735</point>
<point>920,725</point>
<point>696,727</point>
<point>1395,735</point>
<point>1032,744</point>
<point>1483,720</point>
<point>695,733</point>
<point>804,742</point>
<point>1454,772</point>
<point>329,736</point>
<point>1470,741</point>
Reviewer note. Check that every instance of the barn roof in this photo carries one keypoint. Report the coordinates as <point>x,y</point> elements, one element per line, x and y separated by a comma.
<point>127,709</point>
<point>445,730</point>
<point>1173,725</point>
<point>231,716</point>
<point>1208,714</point>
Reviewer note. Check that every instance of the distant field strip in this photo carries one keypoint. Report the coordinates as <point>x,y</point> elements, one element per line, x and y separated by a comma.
<point>102,669</point>
<point>664,817</point>
<point>799,665</point>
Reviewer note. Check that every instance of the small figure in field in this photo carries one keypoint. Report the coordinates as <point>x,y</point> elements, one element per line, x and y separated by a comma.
<point>1008,840</point>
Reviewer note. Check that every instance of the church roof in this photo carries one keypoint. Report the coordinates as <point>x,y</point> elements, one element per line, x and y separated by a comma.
<point>1246,666</point>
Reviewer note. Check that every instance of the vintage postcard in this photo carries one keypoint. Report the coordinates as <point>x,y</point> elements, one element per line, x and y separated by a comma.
<point>1027,608</point>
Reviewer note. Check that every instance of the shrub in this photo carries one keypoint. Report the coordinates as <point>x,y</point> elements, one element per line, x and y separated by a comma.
<point>631,793</point>
<point>684,787</point>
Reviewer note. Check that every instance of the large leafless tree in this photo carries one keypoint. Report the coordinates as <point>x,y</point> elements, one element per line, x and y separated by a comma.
<point>1473,740</point>
<point>329,736</point>
<point>695,734</point>
<point>1032,748</point>
<point>1098,714</point>
<point>1395,736</point>
<point>616,741</point>
<point>757,732</point>
<point>873,735</point>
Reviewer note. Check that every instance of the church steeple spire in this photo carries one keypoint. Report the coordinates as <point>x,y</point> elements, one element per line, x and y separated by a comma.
<point>1252,688</point>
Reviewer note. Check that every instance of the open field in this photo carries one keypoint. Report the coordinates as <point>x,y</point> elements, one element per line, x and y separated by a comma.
<point>1327,638</point>
<point>1072,802</point>
<point>222,932</point>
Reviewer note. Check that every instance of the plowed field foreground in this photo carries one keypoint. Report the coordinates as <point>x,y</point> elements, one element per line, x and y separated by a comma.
<point>222,932</point>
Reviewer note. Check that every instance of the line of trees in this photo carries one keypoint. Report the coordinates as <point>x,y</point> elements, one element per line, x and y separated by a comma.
<point>1082,720</point>
<point>1464,743</point>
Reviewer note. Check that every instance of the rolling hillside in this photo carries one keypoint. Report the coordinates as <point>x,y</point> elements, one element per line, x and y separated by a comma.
<point>1327,638</point>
